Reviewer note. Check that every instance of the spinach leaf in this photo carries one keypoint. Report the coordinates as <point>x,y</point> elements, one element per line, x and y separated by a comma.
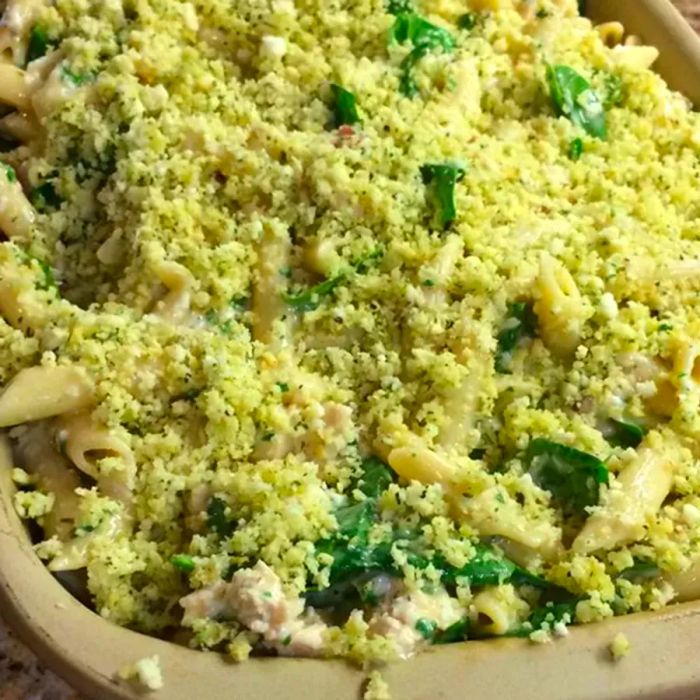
<point>641,570</point>
<point>485,568</point>
<point>397,7</point>
<point>456,632</point>
<point>411,27</point>
<point>523,577</point>
<point>45,197</point>
<point>375,478</point>
<point>338,595</point>
<point>365,588</point>
<point>553,613</point>
<point>582,9</point>
<point>573,98</point>
<point>358,557</point>
<point>310,298</point>
<point>623,433</point>
<point>352,554</point>
<point>572,477</point>
<point>425,37</point>
<point>576,149</point>
<point>344,106</point>
<point>355,521</point>
<point>442,179</point>
<point>520,322</point>
<point>373,589</point>
<point>217,519</point>
<point>183,562</point>
<point>360,570</point>
<point>38,43</point>
<point>548,614</point>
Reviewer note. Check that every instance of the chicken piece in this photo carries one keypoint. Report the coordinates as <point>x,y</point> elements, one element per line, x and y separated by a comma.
<point>397,622</point>
<point>206,602</point>
<point>256,599</point>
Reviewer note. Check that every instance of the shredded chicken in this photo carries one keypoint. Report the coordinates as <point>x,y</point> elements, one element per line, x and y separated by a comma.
<point>256,599</point>
<point>397,621</point>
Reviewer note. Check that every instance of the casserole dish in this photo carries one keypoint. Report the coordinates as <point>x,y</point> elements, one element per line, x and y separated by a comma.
<point>89,651</point>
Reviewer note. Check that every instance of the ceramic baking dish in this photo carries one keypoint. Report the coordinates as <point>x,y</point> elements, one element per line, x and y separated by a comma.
<point>88,651</point>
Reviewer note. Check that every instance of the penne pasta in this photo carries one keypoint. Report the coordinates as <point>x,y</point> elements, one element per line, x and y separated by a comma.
<point>273,320</point>
<point>495,513</point>
<point>612,33</point>
<point>43,392</point>
<point>498,610</point>
<point>638,494</point>
<point>14,89</point>
<point>16,213</point>
<point>635,57</point>
<point>559,307</point>
<point>686,584</point>
<point>37,453</point>
<point>416,463</point>
<point>85,444</point>
<point>175,305</point>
